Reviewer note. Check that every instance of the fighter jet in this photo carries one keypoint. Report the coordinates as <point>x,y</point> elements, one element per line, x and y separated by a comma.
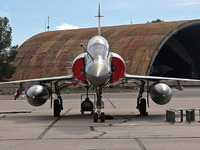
<point>96,68</point>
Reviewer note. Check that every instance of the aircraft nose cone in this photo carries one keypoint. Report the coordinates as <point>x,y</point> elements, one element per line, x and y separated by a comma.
<point>97,74</point>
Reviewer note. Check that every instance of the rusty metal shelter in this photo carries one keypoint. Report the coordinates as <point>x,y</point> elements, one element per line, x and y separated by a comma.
<point>163,49</point>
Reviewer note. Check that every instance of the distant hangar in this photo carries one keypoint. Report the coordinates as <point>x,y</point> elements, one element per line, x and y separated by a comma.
<point>166,49</point>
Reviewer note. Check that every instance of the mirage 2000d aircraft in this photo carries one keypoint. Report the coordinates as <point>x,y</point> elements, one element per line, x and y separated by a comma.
<point>96,68</point>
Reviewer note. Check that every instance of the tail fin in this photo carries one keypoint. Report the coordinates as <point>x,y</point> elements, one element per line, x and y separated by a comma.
<point>99,24</point>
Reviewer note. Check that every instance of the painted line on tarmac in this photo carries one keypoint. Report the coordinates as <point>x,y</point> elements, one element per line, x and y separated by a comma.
<point>111,103</point>
<point>142,147</point>
<point>17,112</point>
<point>51,125</point>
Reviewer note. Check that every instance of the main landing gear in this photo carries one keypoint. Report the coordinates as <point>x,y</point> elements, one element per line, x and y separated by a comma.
<point>58,103</point>
<point>99,115</point>
<point>56,108</point>
<point>97,109</point>
<point>141,102</point>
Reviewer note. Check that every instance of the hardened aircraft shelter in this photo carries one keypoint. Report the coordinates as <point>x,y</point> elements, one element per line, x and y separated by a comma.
<point>166,49</point>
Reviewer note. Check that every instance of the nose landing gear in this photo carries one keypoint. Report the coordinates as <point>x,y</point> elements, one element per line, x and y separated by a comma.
<point>99,115</point>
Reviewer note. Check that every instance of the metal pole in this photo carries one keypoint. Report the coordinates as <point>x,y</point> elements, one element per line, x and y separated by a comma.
<point>48,24</point>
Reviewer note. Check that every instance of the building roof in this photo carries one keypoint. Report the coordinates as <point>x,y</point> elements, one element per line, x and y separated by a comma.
<point>49,54</point>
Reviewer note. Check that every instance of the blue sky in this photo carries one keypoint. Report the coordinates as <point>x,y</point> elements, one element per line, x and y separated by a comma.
<point>27,17</point>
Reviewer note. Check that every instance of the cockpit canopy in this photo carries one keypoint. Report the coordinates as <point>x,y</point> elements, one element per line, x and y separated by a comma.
<point>98,45</point>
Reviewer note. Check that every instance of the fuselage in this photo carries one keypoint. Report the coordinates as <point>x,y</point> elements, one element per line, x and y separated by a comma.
<point>98,67</point>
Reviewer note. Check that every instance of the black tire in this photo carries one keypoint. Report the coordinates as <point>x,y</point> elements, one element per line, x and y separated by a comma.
<point>102,116</point>
<point>95,117</point>
<point>143,107</point>
<point>56,108</point>
<point>82,112</point>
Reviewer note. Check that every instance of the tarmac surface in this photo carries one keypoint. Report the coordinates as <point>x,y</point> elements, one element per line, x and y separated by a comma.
<point>23,127</point>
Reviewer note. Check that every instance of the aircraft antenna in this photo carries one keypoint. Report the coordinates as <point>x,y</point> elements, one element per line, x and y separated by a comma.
<point>48,24</point>
<point>45,28</point>
<point>131,21</point>
<point>99,24</point>
<point>86,50</point>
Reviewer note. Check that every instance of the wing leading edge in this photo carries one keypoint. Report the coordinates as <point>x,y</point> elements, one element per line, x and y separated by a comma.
<point>48,79</point>
<point>154,78</point>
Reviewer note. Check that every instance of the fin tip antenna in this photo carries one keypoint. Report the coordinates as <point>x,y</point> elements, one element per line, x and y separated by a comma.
<point>99,18</point>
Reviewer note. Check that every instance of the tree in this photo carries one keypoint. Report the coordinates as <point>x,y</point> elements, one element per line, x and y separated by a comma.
<point>156,21</point>
<point>7,52</point>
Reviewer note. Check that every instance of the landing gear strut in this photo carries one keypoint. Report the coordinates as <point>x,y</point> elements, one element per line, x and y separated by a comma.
<point>99,115</point>
<point>58,103</point>
<point>141,102</point>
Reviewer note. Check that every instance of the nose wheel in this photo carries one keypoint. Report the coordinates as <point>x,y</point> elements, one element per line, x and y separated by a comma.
<point>99,115</point>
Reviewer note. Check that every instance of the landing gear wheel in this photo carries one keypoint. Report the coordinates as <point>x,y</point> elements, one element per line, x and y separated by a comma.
<point>82,112</point>
<point>99,115</point>
<point>143,107</point>
<point>102,116</point>
<point>95,117</point>
<point>56,108</point>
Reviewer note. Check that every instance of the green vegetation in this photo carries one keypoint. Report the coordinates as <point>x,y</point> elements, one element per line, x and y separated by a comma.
<point>156,21</point>
<point>7,52</point>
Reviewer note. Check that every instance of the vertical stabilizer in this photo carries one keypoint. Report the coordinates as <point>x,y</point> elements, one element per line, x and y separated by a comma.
<point>99,18</point>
